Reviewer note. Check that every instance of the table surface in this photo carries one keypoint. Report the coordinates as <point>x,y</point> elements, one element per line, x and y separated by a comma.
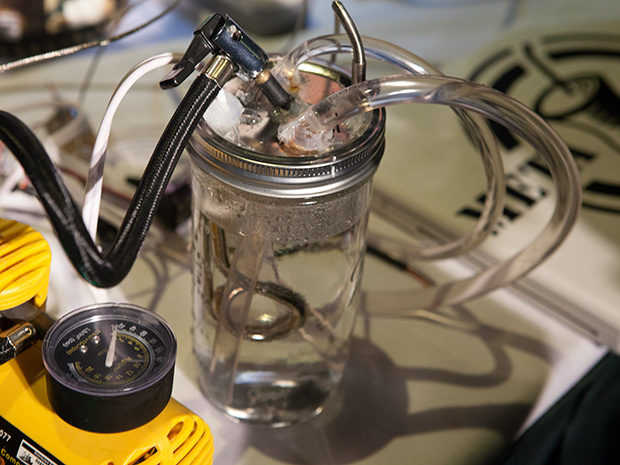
<point>415,391</point>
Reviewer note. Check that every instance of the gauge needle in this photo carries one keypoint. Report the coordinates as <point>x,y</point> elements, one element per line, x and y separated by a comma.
<point>109,359</point>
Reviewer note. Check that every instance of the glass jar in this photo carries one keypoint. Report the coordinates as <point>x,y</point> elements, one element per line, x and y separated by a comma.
<point>278,251</point>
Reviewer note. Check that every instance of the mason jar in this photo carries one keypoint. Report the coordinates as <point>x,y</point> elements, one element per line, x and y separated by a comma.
<point>278,246</point>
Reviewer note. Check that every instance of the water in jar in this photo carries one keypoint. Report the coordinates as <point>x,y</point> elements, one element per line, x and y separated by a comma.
<point>294,347</point>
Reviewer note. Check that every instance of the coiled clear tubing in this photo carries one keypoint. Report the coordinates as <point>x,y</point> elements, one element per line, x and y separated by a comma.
<point>460,95</point>
<point>474,125</point>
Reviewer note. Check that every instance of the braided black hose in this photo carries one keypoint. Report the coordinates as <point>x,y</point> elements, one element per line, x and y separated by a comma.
<point>110,269</point>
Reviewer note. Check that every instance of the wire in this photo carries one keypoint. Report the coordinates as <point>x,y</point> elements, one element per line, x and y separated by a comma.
<point>94,182</point>
<point>109,269</point>
<point>90,73</point>
<point>94,62</point>
<point>85,45</point>
<point>52,142</point>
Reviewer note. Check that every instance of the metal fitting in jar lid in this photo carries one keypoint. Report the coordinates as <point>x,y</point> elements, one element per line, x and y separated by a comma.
<point>258,164</point>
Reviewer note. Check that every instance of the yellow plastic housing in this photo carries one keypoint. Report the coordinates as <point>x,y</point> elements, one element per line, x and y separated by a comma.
<point>25,259</point>
<point>175,436</point>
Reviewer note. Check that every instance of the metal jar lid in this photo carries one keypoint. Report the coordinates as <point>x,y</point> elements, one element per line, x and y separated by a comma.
<point>293,176</point>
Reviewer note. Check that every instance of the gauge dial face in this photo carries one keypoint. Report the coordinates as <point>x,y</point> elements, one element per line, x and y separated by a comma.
<point>109,349</point>
<point>110,352</point>
<point>110,367</point>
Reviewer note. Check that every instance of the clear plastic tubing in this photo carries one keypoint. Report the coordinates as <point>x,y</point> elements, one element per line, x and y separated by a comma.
<point>475,126</point>
<point>465,95</point>
<point>339,43</point>
<point>94,181</point>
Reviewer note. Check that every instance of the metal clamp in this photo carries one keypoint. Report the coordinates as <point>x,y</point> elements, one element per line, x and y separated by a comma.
<point>14,340</point>
<point>224,38</point>
<point>220,69</point>
<point>30,324</point>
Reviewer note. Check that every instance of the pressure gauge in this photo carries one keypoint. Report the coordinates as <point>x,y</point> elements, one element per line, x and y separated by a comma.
<point>110,366</point>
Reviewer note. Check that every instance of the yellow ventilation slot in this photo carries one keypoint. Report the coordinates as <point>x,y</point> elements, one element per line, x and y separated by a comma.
<point>25,259</point>
<point>198,447</point>
<point>186,441</point>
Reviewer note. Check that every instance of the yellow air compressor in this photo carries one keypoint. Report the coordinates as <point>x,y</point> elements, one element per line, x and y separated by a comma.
<point>31,432</point>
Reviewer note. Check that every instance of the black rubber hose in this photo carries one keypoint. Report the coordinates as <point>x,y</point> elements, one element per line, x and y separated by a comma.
<point>108,270</point>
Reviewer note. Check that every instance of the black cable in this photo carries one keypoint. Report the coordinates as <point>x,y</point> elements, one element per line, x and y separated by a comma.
<point>108,270</point>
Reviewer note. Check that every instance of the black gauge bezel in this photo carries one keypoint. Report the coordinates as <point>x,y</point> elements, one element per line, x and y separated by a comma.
<point>109,407</point>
